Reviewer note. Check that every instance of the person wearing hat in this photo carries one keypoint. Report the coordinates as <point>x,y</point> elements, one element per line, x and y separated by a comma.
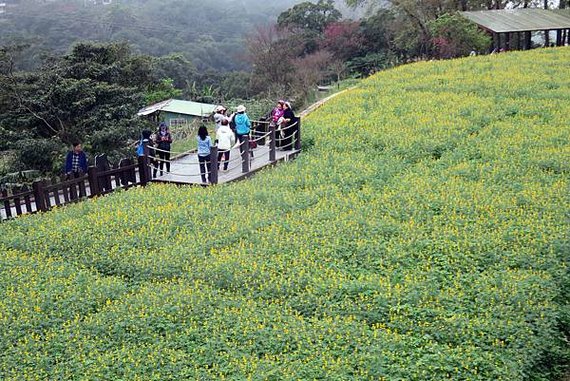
<point>219,116</point>
<point>243,125</point>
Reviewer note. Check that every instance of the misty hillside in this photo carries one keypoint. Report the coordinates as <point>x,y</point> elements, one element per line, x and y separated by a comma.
<point>210,34</point>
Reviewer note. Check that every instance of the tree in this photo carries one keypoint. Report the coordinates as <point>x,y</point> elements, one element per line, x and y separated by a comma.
<point>310,70</point>
<point>309,16</point>
<point>454,36</point>
<point>378,30</point>
<point>271,54</point>
<point>338,67</point>
<point>343,39</point>
<point>165,90</point>
<point>236,84</point>
<point>176,67</point>
<point>91,94</point>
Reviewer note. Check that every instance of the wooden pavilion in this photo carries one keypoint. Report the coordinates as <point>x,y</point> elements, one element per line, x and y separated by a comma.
<point>512,28</point>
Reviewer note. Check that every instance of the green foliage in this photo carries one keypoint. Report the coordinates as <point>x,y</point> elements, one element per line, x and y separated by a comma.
<point>307,16</point>
<point>46,155</point>
<point>236,85</point>
<point>175,67</point>
<point>455,36</point>
<point>377,31</point>
<point>163,91</point>
<point>421,237</point>
<point>210,33</point>
<point>91,95</point>
<point>256,108</point>
<point>373,62</point>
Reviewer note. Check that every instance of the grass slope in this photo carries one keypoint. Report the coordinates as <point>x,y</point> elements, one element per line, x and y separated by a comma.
<point>422,237</point>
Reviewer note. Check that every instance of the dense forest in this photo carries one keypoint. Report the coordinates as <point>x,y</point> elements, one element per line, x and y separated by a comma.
<point>209,33</point>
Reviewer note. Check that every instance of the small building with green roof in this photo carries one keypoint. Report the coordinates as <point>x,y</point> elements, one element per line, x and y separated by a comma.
<point>176,112</point>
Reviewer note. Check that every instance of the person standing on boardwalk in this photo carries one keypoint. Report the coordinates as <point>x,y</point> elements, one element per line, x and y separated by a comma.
<point>163,141</point>
<point>220,116</point>
<point>75,161</point>
<point>146,141</point>
<point>204,156</point>
<point>225,139</point>
<point>288,127</point>
<point>243,126</point>
<point>276,117</point>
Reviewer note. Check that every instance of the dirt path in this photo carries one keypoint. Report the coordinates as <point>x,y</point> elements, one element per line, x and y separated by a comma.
<point>318,104</point>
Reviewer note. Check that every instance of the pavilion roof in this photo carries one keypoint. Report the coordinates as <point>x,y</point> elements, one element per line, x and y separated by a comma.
<point>520,20</point>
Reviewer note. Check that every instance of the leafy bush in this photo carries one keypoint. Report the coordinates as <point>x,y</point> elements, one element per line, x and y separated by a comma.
<point>45,155</point>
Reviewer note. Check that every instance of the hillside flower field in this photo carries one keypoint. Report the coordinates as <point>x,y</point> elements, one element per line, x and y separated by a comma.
<point>421,235</point>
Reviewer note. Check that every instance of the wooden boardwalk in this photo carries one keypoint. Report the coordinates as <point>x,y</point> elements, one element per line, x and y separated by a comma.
<point>186,169</point>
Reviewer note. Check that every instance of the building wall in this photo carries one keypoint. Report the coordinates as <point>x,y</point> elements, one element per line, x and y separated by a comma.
<point>174,120</point>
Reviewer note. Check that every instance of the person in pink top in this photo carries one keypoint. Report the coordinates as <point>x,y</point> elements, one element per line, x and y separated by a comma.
<point>277,116</point>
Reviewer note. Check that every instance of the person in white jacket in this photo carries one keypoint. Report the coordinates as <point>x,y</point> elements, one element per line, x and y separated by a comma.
<point>226,139</point>
<point>219,116</point>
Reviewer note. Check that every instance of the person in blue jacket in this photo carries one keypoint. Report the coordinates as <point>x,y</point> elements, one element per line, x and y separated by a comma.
<point>76,161</point>
<point>204,153</point>
<point>243,125</point>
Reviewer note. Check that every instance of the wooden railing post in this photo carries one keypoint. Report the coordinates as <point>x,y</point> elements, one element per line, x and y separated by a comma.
<point>214,165</point>
<point>93,181</point>
<point>7,206</point>
<point>17,200</point>
<point>298,137</point>
<point>148,169</point>
<point>39,196</point>
<point>244,148</point>
<point>272,142</point>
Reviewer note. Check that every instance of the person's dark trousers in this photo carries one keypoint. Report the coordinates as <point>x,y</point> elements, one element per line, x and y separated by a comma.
<point>241,145</point>
<point>226,156</point>
<point>162,157</point>
<point>289,132</point>
<point>204,167</point>
<point>278,141</point>
<point>75,175</point>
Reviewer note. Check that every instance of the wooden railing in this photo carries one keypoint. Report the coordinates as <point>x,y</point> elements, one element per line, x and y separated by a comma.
<point>46,194</point>
<point>263,133</point>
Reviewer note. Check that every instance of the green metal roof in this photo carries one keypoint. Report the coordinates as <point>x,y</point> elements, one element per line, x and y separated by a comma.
<point>180,107</point>
<point>520,20</point>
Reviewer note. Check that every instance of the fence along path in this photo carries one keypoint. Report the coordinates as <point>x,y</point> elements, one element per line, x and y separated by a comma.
<point>46,194</point>
<point>272,146</point>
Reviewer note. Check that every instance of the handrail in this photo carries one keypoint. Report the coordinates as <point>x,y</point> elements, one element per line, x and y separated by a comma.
<point>16,195</point>
<point>115,171</point>
<point>66,183</point>
<point>41,198</point>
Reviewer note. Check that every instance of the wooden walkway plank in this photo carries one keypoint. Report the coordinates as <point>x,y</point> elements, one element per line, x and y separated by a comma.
<point>186,170</point>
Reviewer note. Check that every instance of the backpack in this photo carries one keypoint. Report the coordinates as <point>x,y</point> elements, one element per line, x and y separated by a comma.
<point>233,122</point>
<point>140,148</point>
